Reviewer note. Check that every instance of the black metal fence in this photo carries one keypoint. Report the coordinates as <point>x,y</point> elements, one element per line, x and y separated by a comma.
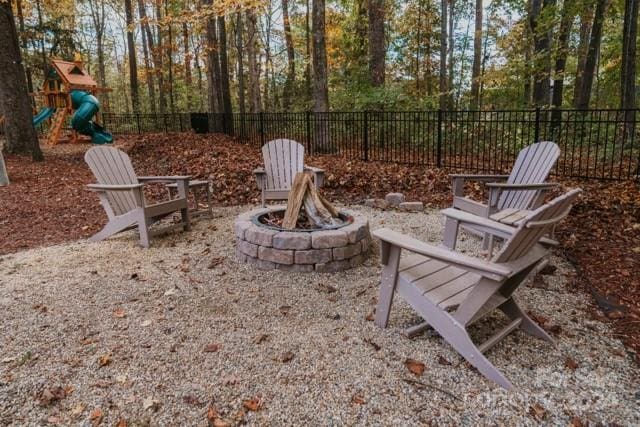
<point>602,144</point>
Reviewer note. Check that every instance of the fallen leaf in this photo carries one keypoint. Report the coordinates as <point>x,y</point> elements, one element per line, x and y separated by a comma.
<point>287,356</point>
<point>77,410</point>
<point>190,399</point>
<point>104,360</point>
<point>285,309</point>
<point>51,395</point>
<point>358,399</point>
<point>416,367</point>
<point>146,323</point>
<point>215,261</point>
<point>537,411</point>
<point>121,423</point>
<point>570,364</point>
<point>261,338</point>
<point>119,313</point>
<point>371,316</point>
<point>212,347</point>
<point>230,380</point>
<point>150,403</point>
<point>96,417</point>
<point>576,422</point>
<point>443,361</point>
<point>373,344</point>
<point>254,404</point>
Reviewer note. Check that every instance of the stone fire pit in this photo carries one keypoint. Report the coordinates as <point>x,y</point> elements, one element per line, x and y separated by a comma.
<point>322,250</point>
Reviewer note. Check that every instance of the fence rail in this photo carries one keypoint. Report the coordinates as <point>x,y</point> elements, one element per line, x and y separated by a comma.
<point>603,144</point>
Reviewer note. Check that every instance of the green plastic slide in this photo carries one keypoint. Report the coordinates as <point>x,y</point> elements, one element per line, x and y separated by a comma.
<point>43,115</point>
<point>86,106</point>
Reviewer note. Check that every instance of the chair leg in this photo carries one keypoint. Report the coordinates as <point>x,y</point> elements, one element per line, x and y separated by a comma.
<point>387,285</point>
<point>513,311</point>
<point>143,231</point>
<point>186,219</point>
<point>109,229</point>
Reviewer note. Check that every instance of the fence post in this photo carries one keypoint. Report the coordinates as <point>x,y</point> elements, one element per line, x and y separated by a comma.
<point>439,141</point>
<point>365,136</point>
<point>138,123</point>
<point>262,139</point>
<point>536,133</point>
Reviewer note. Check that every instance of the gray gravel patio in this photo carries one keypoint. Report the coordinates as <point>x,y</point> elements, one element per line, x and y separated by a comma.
<point>102,332</point>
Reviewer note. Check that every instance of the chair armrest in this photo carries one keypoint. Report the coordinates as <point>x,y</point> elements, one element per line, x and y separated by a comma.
<point>318,175</point>
<point>457,181</point>
<point>490,226</point>
<point>477,177</point>
<point>164,178</point>
<point>107,187</point>
<point>484,268</point>
<point>261,176</point>
<point>535,186</point>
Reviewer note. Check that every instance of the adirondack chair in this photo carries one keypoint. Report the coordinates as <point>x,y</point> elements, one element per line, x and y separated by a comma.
<point>283,158</point>
<point>452,291</point>
<point>121,194</point>
<point>523,190</point>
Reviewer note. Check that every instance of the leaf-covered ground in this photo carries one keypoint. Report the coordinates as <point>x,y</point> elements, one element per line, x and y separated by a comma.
<point>48,204</point>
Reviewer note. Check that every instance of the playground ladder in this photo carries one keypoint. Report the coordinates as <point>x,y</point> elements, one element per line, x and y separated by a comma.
<point>56,125</point>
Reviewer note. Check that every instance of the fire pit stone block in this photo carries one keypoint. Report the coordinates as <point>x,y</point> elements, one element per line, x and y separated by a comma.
<point>259,236</point>
<point>313,256</point>
<point>292,240</point>
<point>279,256</point>
<point>328,239</point>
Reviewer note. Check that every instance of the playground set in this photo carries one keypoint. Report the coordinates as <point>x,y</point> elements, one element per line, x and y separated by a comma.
<point>69,91</point>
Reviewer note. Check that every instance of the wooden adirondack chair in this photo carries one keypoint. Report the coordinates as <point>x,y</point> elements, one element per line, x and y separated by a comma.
<point>523,190</point>
<point>283,159</point>
<point>451,290</point>
<point>121,194</point>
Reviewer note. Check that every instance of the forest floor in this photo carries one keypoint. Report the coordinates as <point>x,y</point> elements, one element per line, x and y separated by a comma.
<point>47,204</point>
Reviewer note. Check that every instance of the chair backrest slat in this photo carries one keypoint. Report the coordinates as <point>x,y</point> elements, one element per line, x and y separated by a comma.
<point>283,159</point>
<point>533,165</point>
<point>529,233</point>
<point>113,167</point>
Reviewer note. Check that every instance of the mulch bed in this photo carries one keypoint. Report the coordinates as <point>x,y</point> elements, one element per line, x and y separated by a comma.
<point>47,204</point>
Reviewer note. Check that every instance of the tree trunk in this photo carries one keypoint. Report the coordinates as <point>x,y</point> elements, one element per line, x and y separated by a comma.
<point>451,48</point>
<point>213,66</point>
<point>133,65</point>
<point>586,21</point>
<point>255,105</point>
<point>159,62</point>
<point>377,49</point>
<point>187,64</point>
<point>592,55</point>
<point>628,68</point>
<point>320,75</point>
<point>20,135</point>
<point>566,23</point>
<point>169,51</point>
<point>307,68</point>
<point>443,54</point>
<point>477,58</point>
<point>23,45</point>
<point>147,63</point>
<point>291,59</point>
<point>224,75</point>
<point>240,58</point>
<point>148,47</point>
<point>541,31</point>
